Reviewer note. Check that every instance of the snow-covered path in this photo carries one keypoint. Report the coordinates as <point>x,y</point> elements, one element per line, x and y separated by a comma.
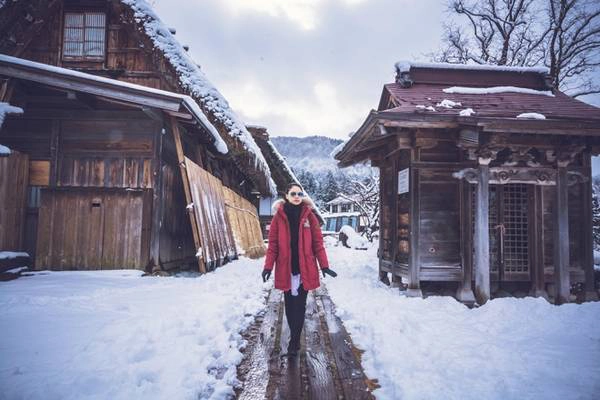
<point>436,348</point>
<point>117,335</point>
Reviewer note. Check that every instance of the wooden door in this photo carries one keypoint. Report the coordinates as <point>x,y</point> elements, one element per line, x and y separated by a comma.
<point>509,232</point>
<point>93,228</point>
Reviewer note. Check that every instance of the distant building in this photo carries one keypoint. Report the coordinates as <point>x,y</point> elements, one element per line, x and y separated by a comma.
<point>342,211</point>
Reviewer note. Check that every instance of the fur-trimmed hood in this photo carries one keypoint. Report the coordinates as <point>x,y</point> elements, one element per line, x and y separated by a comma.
<point>307,201</point>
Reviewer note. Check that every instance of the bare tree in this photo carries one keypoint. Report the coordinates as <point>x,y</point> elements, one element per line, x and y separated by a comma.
<point>364,194</point>
<point>563,35</point>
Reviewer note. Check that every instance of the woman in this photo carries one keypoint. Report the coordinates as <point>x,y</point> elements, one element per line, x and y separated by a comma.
<point>295,245</point>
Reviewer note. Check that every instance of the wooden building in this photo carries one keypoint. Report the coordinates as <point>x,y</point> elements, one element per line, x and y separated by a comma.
<point>132,158</point>
<point>485,181</point>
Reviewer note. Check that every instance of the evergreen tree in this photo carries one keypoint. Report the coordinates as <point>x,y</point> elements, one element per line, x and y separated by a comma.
<point>329,187</point>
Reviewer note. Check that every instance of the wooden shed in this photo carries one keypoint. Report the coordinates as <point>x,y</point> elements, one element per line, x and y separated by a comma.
<point>485,182</point>
<point>134,159</point>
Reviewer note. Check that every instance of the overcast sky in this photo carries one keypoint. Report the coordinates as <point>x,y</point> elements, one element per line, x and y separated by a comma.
<point>305,67</point>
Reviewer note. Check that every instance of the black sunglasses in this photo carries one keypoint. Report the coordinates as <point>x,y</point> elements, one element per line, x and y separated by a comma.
<point>299,194</point>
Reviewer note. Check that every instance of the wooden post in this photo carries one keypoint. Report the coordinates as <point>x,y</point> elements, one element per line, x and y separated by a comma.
<point>482,238</point>
<point>54,144</point>
<point>382,274</point>
<point>157,196</point>
<point>188,194</point>
<point>588,259</point>
<point>414,286</point>
<point>561,236</point>
<point>464,293</point>
<point>394,221</point>
<point>538,288</point>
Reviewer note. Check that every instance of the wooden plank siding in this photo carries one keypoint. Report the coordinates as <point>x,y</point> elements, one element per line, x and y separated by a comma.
<point>244,224</point>
<point>14,178</point>
<point>93,228</point>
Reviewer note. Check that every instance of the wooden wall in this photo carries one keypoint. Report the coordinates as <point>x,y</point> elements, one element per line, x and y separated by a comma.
<point>245,225</point>
<point>93,228</point>
<point>14,172</point>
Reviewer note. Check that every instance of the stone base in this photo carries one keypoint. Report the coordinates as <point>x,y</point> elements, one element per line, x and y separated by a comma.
<point>414,292</point>
<point>465,296</point>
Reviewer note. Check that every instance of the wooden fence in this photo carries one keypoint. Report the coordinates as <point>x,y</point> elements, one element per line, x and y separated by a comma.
<point>245,225</point>
<point>14,177</point>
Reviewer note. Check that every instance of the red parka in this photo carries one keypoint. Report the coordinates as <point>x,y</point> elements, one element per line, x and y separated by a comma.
<point>310,247</point>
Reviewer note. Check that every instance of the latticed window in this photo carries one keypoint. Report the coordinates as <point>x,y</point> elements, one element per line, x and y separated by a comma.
<point>84,36</point>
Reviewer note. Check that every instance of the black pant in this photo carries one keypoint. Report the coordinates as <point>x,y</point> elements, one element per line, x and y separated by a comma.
<point>295,308</point>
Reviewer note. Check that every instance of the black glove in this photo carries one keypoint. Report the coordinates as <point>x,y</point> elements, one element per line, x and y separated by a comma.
<point>265,274</point>
<point>329,272</point>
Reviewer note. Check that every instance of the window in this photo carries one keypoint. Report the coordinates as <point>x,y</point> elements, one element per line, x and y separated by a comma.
<point>345,207</point>
<point>265,206</point>
<point>84,36</point>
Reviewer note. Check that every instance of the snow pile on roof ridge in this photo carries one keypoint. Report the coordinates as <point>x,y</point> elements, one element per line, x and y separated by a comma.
<point>281,159</point>
<point>531,115</point>
<point>467,112</point>
<point>405,66</point>
<point>495,89</point>
<point>194,80</point>
<point>448,104</point>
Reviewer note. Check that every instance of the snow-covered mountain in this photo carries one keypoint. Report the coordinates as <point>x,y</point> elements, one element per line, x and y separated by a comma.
<point>312,153</point>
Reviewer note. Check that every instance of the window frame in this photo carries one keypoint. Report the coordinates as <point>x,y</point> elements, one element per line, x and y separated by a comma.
<point>84,57</point>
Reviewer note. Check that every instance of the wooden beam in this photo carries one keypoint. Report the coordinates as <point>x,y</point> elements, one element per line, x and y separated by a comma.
<point>482,238</point>
<point>464,293</point>
<point>561,236</point>
<point>414,262</point>
<point>188,194</point>
<point>54,151</point>
<point>536,243</point>
<point>394,215</point>
<point>157,202</point>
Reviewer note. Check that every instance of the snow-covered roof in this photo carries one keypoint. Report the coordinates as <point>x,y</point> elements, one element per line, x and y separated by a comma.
<point>193,80</point>
<point>531,115</point>
<point>496,89</point>
<point>405,66</point>
<point>343,200</point>
<point>187,101</point>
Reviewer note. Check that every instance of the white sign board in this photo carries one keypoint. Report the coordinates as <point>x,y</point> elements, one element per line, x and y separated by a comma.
<point>403,181</point>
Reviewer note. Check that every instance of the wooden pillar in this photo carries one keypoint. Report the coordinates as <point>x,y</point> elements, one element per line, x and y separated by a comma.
<point>464,293</point>
<point>538,287</point>
<point>414,263</point>
<point>382,274</point>
<point>482,238</point>
<point>561,236</point>
<point>588,246</point>
<point>157,200</point>
<point>54,150</point>
<point>394,222</point>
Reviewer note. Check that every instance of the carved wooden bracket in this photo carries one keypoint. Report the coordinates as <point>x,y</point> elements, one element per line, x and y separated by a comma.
<point>504,175</point>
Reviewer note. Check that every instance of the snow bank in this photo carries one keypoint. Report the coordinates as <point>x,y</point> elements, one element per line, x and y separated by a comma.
<point>495,89</point>
<point>355,241</point>
<point>6,108</point>
<point>467,112</point>
<point>531,116</point>
<point>4,255</point>
<point>194,80</point>
<point>405,66</point>
<point>436,348</point>
<point>117,335</point>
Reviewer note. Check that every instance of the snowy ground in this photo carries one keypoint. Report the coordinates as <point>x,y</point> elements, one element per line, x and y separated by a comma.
<point>436,348</point>
<point>117,335</point>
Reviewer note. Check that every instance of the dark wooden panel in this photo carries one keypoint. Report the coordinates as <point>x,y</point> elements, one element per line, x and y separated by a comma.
<point>92,229</point>
<point>14,171</point>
